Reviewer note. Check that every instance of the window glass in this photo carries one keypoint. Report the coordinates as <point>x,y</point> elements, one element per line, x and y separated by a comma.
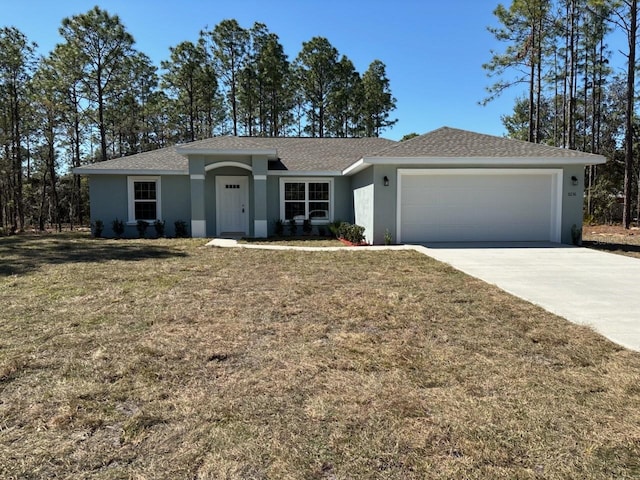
<point>294,210</point>
<point>306,200</point>
<point>145,205</point>
<point>319,191</point>
<point>144,190</point>
<point>145,211</point>
<point>294,191</point>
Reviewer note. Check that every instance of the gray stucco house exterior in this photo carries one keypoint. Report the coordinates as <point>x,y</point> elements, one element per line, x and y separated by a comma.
<point>444,186</point>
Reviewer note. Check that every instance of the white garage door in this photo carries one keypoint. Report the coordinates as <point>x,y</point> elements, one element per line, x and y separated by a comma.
<point>467,205</point>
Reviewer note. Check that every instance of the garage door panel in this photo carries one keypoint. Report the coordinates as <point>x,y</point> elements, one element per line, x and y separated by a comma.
<point>476,207</point>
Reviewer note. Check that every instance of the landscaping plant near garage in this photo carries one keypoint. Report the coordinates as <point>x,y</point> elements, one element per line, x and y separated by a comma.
<point>351,234</point>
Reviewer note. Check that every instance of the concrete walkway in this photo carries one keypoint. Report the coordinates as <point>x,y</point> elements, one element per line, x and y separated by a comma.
<point>598,289</point>
<point>601,290</point>
<point>230,243</point>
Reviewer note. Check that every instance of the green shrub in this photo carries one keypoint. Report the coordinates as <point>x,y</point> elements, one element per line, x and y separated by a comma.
<point>118,227</point>
<point>142,226</point>
<point>279,227</point>
<point>293,228</point>
<point>343,230</point>
<point>306,226</point>
<point>334,228</point>
<point>98,228</point>
<point>321,231</point>
<point>159,227</point>
<point>351,233</point>
<point>387,237</point>
<point>181,229</point>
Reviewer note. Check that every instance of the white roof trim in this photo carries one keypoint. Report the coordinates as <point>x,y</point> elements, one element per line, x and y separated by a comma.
<point>355,168</point>
<point>304,173</point>
<point>474,161</point>
<point>213,166</point>
<point>128,171</point>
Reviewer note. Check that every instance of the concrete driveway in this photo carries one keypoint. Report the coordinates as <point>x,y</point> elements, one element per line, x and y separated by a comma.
<point>584,286</point>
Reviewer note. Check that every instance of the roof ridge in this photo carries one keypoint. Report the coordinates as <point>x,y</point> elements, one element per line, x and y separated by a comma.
<point>456,142</point>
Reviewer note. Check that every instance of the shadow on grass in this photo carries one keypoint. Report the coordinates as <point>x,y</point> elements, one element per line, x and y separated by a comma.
<point>612,247</point>
<point>21,254</point>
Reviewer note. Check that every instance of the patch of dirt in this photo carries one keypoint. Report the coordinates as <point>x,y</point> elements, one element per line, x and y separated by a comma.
<point>612,238</point>
<point>611,230</point>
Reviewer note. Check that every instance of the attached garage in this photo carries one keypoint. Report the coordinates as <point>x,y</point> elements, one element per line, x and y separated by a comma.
<point>452,185</point>
<point>464,205</point>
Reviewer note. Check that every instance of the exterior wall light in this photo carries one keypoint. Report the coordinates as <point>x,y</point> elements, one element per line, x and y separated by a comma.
<point>386,181</point>
<point>574,180</point>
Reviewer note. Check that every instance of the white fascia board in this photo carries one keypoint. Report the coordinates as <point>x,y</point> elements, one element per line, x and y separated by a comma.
<point>116,171</point>
<point>304,173</point>
<point>479,161</point>
<point>356,167</point>
<point>272,153</point>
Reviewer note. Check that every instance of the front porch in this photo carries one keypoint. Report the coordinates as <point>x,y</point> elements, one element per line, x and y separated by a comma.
<point>228,193</point>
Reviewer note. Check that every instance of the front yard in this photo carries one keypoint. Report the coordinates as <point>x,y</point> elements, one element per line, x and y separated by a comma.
<point>168,359</point>
<point>612,238</point>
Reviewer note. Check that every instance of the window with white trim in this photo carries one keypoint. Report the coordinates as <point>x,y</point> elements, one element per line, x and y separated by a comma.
<point>306,198</point>
<point>144,199</point>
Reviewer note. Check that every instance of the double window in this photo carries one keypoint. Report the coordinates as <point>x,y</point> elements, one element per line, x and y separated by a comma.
<point>306,198</point>
<point>144,199</point>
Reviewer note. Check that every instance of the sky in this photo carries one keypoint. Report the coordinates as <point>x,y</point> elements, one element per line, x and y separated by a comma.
<point>433,49</point>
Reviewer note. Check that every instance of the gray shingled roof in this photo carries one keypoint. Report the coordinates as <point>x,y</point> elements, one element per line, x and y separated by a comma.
<point>336,154</point>
<point>296,154</point>
<point>163,159</point>
<point>452,142</point>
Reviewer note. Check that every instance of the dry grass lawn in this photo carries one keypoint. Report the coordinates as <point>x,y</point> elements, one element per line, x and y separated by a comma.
<point>166,359</point>
<point>311,241</point>
<point>612,238</point>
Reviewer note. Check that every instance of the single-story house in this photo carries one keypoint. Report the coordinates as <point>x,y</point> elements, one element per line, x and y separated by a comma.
<point>446,185</point>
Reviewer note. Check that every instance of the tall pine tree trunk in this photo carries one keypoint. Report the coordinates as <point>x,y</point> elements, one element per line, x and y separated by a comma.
<point>628,137</point>
<point>18,219</point>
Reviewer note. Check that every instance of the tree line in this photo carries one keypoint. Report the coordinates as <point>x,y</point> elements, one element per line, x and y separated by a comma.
<point>575,98</point>
<point>96,97</point>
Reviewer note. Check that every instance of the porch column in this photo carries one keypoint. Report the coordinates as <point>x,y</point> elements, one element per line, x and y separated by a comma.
<point>196,179</point>
<point>260,225</point>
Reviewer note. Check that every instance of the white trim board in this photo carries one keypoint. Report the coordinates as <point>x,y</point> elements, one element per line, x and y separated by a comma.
<point>213,166</point>
<point>304,173</point>
<point>328,180</point>
<point>131,211</point>
<point>198,228</point>
<point>364,162</point>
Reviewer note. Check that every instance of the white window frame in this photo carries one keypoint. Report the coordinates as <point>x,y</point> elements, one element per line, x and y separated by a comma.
<point>307,181</point>
<point>132,202</point>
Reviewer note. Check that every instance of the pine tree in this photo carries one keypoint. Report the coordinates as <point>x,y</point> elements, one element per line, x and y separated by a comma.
<point>378,101</point>
<point>102,44</point>
<point>228,44</point>
<point>17,57</point>
<point>315,69</point>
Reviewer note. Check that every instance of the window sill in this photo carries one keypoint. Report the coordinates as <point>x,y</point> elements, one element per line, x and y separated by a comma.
<point>133,223</point>
<point>313,222</point>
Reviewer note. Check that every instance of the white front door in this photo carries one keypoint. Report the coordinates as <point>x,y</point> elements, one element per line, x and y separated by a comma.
<point>232,206</point>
